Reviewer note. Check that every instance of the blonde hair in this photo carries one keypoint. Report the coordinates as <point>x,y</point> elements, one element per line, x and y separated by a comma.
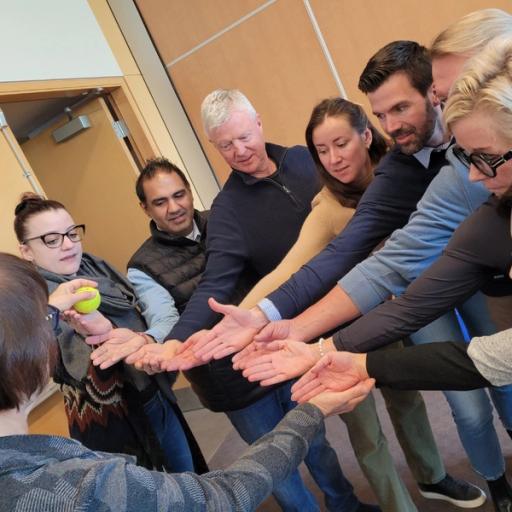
<point>218,106</point>
<point>472,33</point>
<point>486,86</point>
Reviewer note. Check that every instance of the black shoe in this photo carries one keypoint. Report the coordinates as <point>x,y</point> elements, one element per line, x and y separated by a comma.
<point>501,494</point>
<point>457,492</point>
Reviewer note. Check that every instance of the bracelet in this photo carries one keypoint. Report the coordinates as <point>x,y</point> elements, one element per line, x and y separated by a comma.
<point>321,347</point>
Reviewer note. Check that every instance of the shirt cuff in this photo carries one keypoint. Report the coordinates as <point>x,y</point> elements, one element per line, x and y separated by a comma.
<point>269,310</point>
<point>156,334</point>
<point>360,290</point>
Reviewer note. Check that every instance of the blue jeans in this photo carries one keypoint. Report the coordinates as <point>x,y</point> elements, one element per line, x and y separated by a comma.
<point>292,495</point>
<point>170,434</point>
<point>471,410</point>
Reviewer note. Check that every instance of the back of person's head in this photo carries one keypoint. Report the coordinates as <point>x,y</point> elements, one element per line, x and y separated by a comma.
<point>485,86</point>
<point>218,106</point>
<point>471,33</point>
<point>354,114</point>
<point>406,57</point>
<point>27,342</point>
<point>152,168</point>
<point>31,204</point>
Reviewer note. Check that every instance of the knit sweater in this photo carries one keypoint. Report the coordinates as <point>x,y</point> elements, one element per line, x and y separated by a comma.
<point>53,474</point>
<point>253,223</point>
<point>326,220</point>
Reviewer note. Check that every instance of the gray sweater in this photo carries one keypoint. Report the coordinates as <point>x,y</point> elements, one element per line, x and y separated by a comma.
<point>492,356</point>
<point>55,474</point>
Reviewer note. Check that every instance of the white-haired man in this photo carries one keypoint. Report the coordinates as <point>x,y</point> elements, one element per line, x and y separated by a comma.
<point>253,222</point>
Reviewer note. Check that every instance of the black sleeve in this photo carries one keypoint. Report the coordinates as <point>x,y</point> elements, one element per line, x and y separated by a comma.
<point>442,366</point>
<point>226,258</point>
<point>440,288</point>
<point>478,248</point>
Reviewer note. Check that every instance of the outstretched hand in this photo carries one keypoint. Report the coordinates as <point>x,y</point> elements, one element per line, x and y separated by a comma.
<point>336,371</point>
<point>272,331</point>
<point>280,361</point>
<point>116,345</point>
<point>160,357</point>
<point>235,331</point>
<point>340,402</point>
<point>87,325</point>
<point>280,330</point>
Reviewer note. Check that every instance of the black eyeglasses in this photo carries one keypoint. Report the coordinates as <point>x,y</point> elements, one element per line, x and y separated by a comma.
<point>486,164</point>
<point>52,316</point>
<point>55,240</point>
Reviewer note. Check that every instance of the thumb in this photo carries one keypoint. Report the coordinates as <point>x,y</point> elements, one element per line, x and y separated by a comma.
<point>224,309</point>
<point>275,345</point>
<point>271,332</point>
<point>271,345</point>
<point>97,339</point>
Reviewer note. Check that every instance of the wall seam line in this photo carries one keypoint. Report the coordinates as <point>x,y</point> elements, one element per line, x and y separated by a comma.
<point>325,49</point>
<point>220,33</point>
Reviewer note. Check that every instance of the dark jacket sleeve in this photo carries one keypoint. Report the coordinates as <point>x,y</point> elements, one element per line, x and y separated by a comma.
<point>379,212</point>
<point>226,257</point>
<point>479,248</point>
<point>442,366</point>
<point>440,288</point>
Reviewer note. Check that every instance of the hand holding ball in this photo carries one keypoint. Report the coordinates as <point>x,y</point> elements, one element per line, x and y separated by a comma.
<point>88,305</point>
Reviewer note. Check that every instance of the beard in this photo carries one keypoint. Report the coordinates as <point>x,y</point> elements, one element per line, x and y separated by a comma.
<point>421,135</point>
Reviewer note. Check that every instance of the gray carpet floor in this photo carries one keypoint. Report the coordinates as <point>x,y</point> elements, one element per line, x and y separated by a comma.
<point>221,445</point>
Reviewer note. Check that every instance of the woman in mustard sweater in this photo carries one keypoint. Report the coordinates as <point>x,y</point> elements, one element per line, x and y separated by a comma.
<point>340,137</point>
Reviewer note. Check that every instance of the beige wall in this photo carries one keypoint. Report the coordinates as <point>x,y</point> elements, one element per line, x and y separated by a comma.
<point>269,50</point>
<point>132,95</point>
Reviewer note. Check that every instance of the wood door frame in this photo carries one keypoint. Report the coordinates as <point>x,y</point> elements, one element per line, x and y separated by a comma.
<point>122,100</point>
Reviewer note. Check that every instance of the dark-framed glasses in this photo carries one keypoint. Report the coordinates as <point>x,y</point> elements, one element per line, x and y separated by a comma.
<point>55,240</point>
<point>485,163</point>
<point>52,316</point>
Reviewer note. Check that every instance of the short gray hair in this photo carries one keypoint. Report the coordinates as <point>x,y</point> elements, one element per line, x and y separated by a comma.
<point>218,106</point>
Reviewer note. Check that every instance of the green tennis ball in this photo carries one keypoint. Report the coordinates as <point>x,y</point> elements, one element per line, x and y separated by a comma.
<point>88,305</point>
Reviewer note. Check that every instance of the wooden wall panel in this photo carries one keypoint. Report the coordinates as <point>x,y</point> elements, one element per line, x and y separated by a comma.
<point>179,25</point>
<point>355,30</point>
<point>275,59</point>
